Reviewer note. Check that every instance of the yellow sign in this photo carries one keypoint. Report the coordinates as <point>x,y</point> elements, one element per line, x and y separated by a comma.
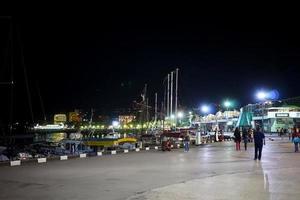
<point>60,118</point>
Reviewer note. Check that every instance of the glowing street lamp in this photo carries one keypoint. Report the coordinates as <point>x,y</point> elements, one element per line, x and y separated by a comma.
<point>227,104</point>
<point>190,117</point>
<point>180,115</point>
<point>115,124</point>
<point>261,95</point>
<point>205,109</point>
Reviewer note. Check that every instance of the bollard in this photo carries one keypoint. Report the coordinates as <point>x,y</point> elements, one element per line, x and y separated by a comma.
<point>82,155</point>
<point>137,149</point>
<point>99,153</point>
<point>42,160</point>
<point>147,148</point>
<point>63,157</point>
<point>126,151</point>
<point>113,152</point>
<point>15,163</point>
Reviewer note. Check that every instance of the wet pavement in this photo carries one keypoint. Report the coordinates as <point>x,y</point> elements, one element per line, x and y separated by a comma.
<point>212,171</point>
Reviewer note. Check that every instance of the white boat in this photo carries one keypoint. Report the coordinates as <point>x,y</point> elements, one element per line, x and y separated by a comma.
<point>50,127</point>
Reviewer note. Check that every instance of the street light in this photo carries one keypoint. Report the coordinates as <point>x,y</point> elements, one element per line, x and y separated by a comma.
<point>180,114</point>
<point>115,124</point>
<point>205,109</point>
<point>227,104</point>
<point>262,96</point>
<point>190,118</point>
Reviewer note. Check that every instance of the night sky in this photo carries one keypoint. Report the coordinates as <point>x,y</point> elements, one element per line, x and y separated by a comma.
<point>104,62</point>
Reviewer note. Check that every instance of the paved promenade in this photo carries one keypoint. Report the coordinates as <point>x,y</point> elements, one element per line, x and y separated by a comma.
<point>212,171</point>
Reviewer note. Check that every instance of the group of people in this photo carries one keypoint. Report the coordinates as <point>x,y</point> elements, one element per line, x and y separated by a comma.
<point>249,136</point>
<point>166,143</point>
<point>246,136</point>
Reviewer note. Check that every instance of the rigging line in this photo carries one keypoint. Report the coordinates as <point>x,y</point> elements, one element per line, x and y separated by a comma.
<point>11,109</point>
<point>26,78</point>
<point>41,101</point>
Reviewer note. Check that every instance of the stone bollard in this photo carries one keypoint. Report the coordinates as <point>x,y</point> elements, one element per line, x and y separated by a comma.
<point>113,152</point>
<point>15,163</point>
<point>82,155</point>
<point>42,160</point>
<point>63,157</point>
<point>99,153</point>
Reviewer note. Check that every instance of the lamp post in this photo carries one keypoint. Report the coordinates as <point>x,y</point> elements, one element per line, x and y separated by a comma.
<point>115,124</point>
<point>227,104</point>
<point>262,96</point>
<point>180,116</point>
<point>205,109</point>
<point>190,118</point>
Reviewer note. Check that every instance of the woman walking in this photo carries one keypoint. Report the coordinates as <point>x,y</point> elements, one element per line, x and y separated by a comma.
<point>296,139</point>
<point>245,138</point>
<point>237,139</point>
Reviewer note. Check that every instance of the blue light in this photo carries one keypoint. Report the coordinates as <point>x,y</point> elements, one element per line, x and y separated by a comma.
<point>205,109</point>
<point>273,94</point>
<point>269,95</point>
<point>261,95</point>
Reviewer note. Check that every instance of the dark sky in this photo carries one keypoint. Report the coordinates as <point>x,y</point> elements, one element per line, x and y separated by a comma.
<point>104,62</point>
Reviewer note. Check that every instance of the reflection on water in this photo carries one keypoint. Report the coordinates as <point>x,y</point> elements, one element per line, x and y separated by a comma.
<point>50,137</point>
<point>55,137</point>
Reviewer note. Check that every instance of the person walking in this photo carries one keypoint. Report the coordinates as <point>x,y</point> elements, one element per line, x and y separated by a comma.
<point>186,142</point>
<point>245,138</point>
<point>216,135</point>
<point>237,139</point>
<point>251,134</point>
<point>259,141</point>
<point>290,131</point>
<point>296,139</point>
<point>281,133</point>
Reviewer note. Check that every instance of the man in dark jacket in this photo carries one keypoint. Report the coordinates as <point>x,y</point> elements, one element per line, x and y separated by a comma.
<point>186,141</point>
<point>259,138</point>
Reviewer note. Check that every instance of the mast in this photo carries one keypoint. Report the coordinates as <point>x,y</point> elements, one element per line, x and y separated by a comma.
<point>26,79</point>
<point>176,96</point>
<point>92,114</point>
<point>11,110</point>
<point>41,101</point>
<point>155,116</point>
<point>168,97</point>
<point>171,97</point>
